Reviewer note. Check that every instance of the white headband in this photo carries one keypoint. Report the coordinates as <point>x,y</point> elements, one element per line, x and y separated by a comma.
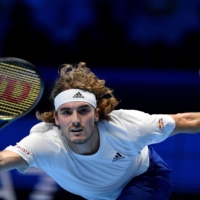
<point>72,95</point>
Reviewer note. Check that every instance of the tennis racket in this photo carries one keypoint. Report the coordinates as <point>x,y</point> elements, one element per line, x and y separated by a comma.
<point>21,88</point>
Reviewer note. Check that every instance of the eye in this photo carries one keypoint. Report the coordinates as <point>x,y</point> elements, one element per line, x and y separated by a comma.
<point>84,110</point>
<point>66,112</point>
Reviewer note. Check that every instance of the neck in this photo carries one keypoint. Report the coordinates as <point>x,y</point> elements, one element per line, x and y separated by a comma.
<point>90,147</point>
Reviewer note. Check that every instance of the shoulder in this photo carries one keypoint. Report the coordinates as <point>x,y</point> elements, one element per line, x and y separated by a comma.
<point>128,115</point>
<point>42,128</point>
<point>43,141</point>
<point>123,119</point>
<point>45,132</point>
<point>143,127</point>
<point>144,122</point>
<point>139,116</point>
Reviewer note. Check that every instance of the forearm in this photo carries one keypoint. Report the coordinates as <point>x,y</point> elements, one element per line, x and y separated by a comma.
<point>4,165</point>
<point>10,160</point>
<point>186,123</point>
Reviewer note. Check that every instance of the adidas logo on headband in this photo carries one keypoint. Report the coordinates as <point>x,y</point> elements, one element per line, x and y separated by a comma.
<point>78,95</point>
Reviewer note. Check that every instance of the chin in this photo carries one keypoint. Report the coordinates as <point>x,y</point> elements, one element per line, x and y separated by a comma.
<point>78,141</point>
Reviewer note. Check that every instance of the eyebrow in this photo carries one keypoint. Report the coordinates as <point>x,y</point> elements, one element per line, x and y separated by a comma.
<point>68,108</point>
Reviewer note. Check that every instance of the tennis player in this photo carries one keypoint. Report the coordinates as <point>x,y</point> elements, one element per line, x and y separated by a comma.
<point>94,151</point>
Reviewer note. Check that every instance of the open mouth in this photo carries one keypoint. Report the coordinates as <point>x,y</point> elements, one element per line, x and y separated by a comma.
<point>76,130</point>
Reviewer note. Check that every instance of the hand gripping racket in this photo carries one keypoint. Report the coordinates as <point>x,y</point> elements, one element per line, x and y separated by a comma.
<point>21,88</point>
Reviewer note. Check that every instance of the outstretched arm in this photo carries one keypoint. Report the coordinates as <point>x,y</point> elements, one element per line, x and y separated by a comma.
<point>10,160</point>
<point>186,123</point>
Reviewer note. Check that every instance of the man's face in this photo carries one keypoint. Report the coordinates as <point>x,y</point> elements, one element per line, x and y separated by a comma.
<point>77,121</point>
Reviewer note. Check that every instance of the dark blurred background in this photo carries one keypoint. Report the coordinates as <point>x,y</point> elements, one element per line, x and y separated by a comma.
<point>147,51</point>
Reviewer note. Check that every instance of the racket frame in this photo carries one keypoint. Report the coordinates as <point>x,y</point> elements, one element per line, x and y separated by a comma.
<point>21,62</point>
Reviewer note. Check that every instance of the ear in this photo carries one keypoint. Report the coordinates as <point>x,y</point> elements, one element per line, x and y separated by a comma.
<point>56,118</point>
<point>97,114</point>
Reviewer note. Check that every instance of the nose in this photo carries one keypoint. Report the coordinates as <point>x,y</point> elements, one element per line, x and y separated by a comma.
<point>76,124</point>
<point>75,119</point>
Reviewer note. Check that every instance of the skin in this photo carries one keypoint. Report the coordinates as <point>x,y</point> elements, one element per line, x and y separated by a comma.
<point>77,121</point>
<point>186,123</point>
<point>10,160</point>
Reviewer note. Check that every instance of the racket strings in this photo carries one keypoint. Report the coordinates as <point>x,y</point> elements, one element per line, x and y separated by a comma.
<point>16,70</point>
<point>19,89</point>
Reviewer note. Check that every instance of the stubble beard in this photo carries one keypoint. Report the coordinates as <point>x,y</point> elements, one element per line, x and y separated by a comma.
<point>85,140</point>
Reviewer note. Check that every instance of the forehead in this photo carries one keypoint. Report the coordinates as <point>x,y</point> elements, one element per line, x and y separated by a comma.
<point>74,105</point>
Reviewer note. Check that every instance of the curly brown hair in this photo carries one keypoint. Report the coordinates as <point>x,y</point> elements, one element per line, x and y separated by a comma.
<point>79,76</point>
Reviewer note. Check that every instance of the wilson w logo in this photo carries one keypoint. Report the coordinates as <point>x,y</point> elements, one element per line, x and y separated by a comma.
<point>13,90</point>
